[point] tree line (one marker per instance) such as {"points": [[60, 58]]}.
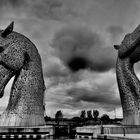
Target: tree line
{"points": [[84, 115]]}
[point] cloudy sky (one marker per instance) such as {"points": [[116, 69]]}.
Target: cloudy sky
{"points": [[75, 39]]}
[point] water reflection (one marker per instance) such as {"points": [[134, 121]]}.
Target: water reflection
{"points": [[63, 138], [55, 139], [60, 138]]}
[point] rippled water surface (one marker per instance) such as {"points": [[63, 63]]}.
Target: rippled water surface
{"points": [[62, 138]]}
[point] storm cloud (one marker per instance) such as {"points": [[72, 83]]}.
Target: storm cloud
{"points": [[97, 96], [80, 48], [115, 31], [42, 9], [99, 90]]}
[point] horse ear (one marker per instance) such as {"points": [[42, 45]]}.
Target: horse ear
{"points": [[8, 30]]}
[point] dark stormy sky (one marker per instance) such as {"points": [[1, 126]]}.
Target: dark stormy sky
{"points": [[75, 39]]}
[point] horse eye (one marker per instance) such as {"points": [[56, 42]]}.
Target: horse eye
{"points": [[1, 49]]}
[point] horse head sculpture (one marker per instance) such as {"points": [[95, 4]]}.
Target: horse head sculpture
{"points": [[128, 83], [130, 46], [20, 58]]}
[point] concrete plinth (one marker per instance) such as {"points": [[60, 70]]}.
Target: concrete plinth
{"points": [[26, 132], [95, 131]]}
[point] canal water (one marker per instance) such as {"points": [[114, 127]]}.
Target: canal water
{"points": [[66, 139], [61, 139]]}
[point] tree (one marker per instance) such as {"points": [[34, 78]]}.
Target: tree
{"points": [[105, 118], [89, 115], [47, 118], [76, 119], [95, 114], [59, 115], [83, 114]]}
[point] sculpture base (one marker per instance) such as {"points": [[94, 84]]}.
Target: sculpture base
{"points": [[26, 132], [131, 118], [107, 130]]}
